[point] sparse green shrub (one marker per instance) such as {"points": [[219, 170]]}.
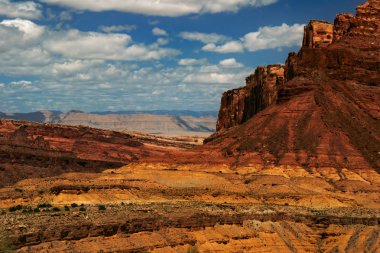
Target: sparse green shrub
{"points": [[67, 208], [56, 209], [41, 192], [36, 210], [19, 190], [3, 212], [73, 205], [44, 205], [82, 209], [102, 207], [15, 208]]}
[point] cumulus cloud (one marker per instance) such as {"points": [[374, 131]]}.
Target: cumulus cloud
{"points": [[230, 63], [28, 29], [73, 66], [229, 47], [105, 86], [203, 37], [217, 78], [267, 37], [162, 41], [117, 28], [28, 9], [169, 8], [112, 46], [216, 74], [191, 61], [159, 32], [30, 49], [21, 83], [88, 45]]}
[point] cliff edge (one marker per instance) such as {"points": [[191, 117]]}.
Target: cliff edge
{"points": [[321, 109]]}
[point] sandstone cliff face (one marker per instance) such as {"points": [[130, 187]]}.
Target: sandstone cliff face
{"points": [[318, 34], [232, 109], [327, 112], [241, 104]]}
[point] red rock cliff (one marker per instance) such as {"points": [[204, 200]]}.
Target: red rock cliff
{"points": [[241, 104], [327, 112]]}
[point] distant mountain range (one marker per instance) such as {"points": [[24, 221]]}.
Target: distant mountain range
{"points": [[159, 122]]}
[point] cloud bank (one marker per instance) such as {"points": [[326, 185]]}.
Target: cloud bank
{"points": [[168, 8], [267, 37]]}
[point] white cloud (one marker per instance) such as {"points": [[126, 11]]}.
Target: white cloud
{"points": [[28, 9], [215, 74], [217, 78], [21, 83], [170, 8], [230, 63], [88, 45], [105, 86], [91, 46], [191, 61], [117, 28], [229, 47], [29, 29], [159, 32], [268, 37], [73, 66], [203, 37], [162, 41], [30, 49]]}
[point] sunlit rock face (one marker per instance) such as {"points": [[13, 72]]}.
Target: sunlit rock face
{"points": [[318, 34]]}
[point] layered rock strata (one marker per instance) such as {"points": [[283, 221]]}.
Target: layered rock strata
{"points": [[239, 105], [318, 34], [327, 111], [30, 150]]}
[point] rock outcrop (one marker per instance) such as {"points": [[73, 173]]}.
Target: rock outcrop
{"points": [[327, 111], [318, 34], [241, 104]]}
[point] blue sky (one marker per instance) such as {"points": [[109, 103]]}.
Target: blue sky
{"points": [[143, 55]]}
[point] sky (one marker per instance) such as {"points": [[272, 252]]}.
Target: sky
{"points": [[102, 55]]}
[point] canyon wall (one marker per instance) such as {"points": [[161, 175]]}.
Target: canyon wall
{"points": [[325, 46], [241, 104], [325, 107]]}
